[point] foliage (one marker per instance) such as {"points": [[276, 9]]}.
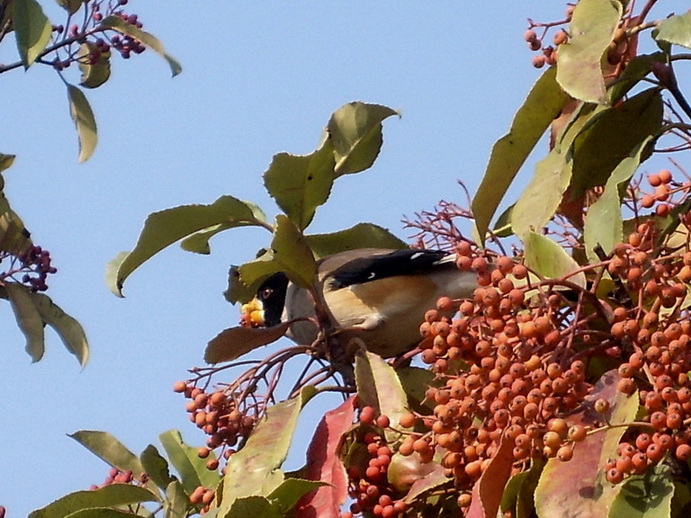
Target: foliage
{"points": [[561, 388], [105, 27]]}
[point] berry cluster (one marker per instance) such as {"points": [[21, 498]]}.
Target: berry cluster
{"points": [[521, 358], [116, 476], [665, 194], [203, 496], [617, 52], [369, 486], [220, 417]]}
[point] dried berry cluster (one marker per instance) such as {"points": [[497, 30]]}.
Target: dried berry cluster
{"points": [[99, 48], [34, 266]]}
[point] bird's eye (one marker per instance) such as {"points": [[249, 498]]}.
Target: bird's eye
{"points": [[266, 293]]}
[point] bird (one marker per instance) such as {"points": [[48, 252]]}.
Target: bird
{"points": [[377, 295]]}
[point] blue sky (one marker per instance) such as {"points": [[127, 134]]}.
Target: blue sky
{"points": [[259, 78]]}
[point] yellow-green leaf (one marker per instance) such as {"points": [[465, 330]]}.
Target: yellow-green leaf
{"points": [[71, 6], [254, 470], [603, 222], [84, 121], [378, 386], [6, 162], [199, 241], [549, 259], [362, 235], [93, 74], [118, 24], [579, 69], [70, 331], [356, 133], [32, 30], [161, 229], [542, 105], [301, 183], [675, 30], [14, 237], [543, 194], [611, 136], [28, 318], [96, 503], [191, 468], [289, 253]]}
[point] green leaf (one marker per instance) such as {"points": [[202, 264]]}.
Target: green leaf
{"points": [[675, 30], [71, 6], [362, 235], [32, 30], [254, 469], [301, 183], [518, 493], [646, 496], [579, 69], [177, 502], [543, 104], [93, 74], [68, 329], [28, 318], [81, 502], [199, 242], [109, 449], [84, 121], [415, 382], [635, 70], [161, 229], [289, 253], [184, 458], [156, 466], [378, 386], [355, 130], [611, 136], [118, 24], [603, 222], [254, 506], [550, 260]]}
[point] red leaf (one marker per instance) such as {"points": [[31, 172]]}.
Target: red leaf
{"points": [[488, 490], [323, 464], [232, 343]]}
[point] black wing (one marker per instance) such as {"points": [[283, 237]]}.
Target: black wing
{"points": [[399, 262]]}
